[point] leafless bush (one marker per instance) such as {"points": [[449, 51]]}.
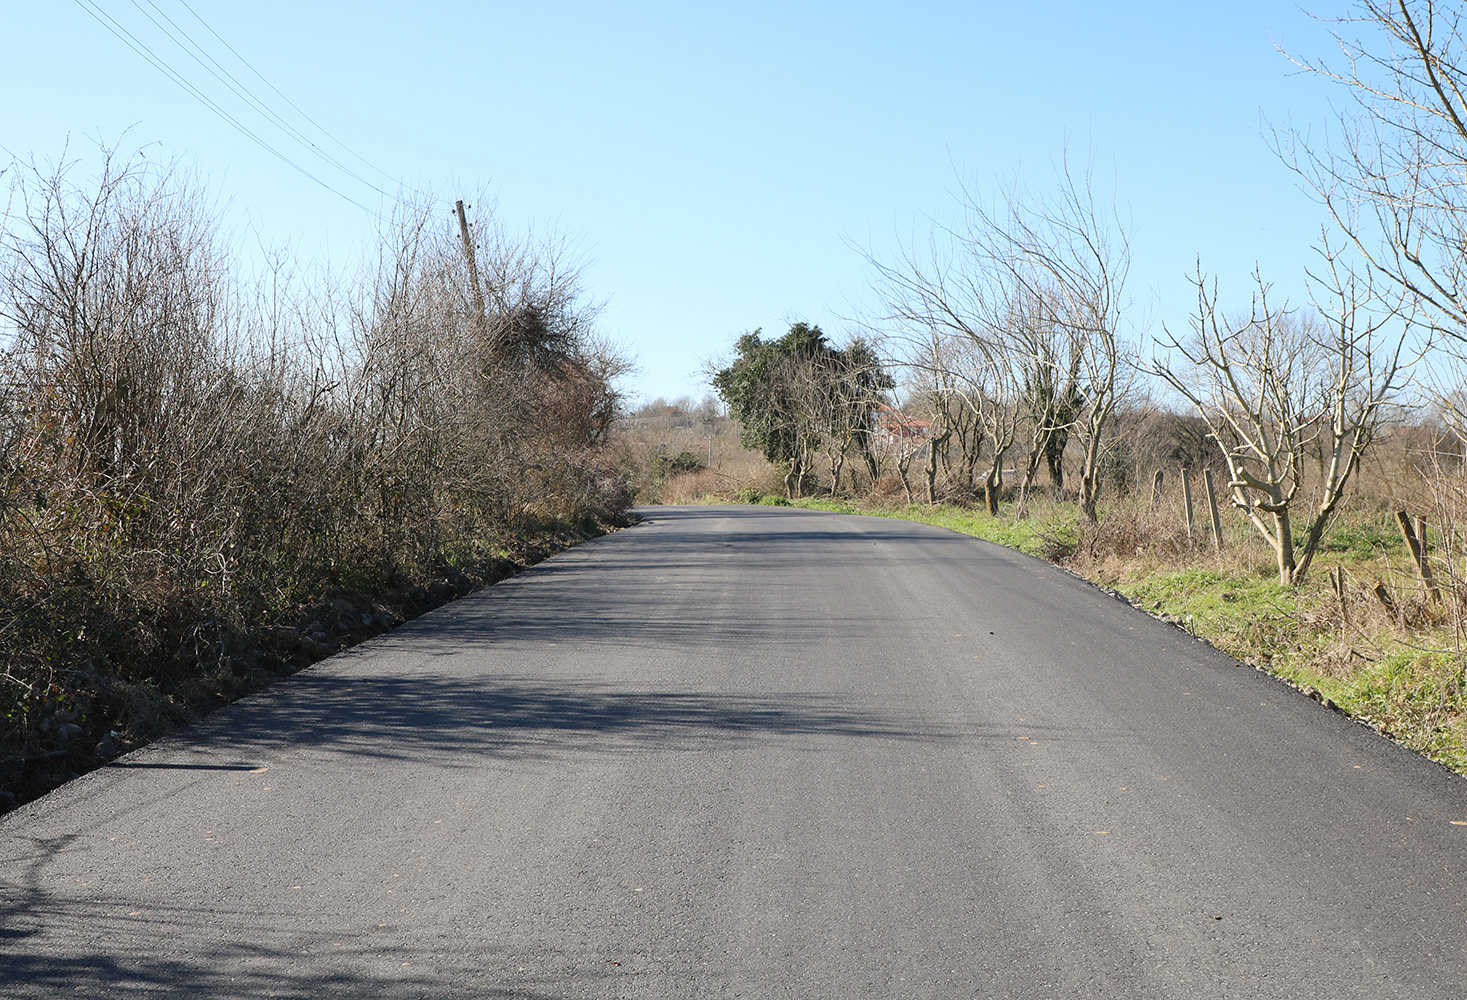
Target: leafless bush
{"points": [[1158, 439], [1126, 535], [186, 458]]}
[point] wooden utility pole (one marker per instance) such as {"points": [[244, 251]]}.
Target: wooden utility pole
{"points": [[463, 229]]}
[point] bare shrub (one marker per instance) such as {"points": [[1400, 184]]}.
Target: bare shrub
{"points": [[187, 459], [1125, 537], [1159, 439], [696, 487]]}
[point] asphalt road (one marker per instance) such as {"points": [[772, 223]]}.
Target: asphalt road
{"points": [[754, 752]]}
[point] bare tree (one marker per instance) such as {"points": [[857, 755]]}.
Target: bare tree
{"points": [[906, 439], [1072, 258], [1393, 175], [1047, 361], [933, 396], [1036, 287], [1273, 382], [942, 309], [839, 389], [973, 397]]}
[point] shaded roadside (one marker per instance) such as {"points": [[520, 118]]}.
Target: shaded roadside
{"points": [[98, 716]]}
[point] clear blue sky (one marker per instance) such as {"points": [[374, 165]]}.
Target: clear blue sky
{"points": [[714, 161]]}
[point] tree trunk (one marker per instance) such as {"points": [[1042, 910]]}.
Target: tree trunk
{"points": [[937, 442], [1283, 544], [1054, 459], [1090, 476], [1089, 494], [904, 464], [870, 457], [1031, 469], [837, 467]]}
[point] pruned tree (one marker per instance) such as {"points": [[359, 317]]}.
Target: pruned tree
{"points": [[1047, 360], [1271, 383], [965, 388], [1037, 287], [1054, 400], [1072, 258], [907, 440], [1393, 173]]}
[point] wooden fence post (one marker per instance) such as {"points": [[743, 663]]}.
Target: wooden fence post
{"points": [[1217, 540], [1417, 547], [1187, 498], [1384, 596], [1337, 584]]}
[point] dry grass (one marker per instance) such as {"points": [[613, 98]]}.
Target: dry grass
{"points": [[682, 452]]}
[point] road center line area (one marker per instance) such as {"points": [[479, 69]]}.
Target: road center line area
{"points": [[754, 752]]}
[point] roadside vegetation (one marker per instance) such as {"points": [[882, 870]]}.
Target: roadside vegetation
{"points": [[217, 466], [672, 451], [1282, 476], [215, 469]]}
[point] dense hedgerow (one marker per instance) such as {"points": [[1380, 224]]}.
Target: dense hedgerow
{"points": [[199, 453]]}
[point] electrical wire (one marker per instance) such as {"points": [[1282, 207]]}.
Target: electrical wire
{"points": [[243, 92], [319, 127], [134, 43]]}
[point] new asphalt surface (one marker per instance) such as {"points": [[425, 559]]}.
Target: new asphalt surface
{"points": [[754, 752]]}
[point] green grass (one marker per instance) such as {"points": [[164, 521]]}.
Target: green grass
{"points": [[1028, 535], [1247, 616], [1360, 540], [1414, 696]]}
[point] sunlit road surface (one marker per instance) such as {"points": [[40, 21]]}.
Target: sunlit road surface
{"points": [[754, 752]]}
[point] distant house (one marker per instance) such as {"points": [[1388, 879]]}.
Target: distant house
{"points": [[894, 428]]}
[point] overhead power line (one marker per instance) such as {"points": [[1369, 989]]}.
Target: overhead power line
{"points": [[319, 127], [241, 92], [214, 68]]}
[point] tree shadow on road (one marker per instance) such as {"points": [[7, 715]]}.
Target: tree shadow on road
{"points": [[84, 943], [63, 938], [462, 720]]}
